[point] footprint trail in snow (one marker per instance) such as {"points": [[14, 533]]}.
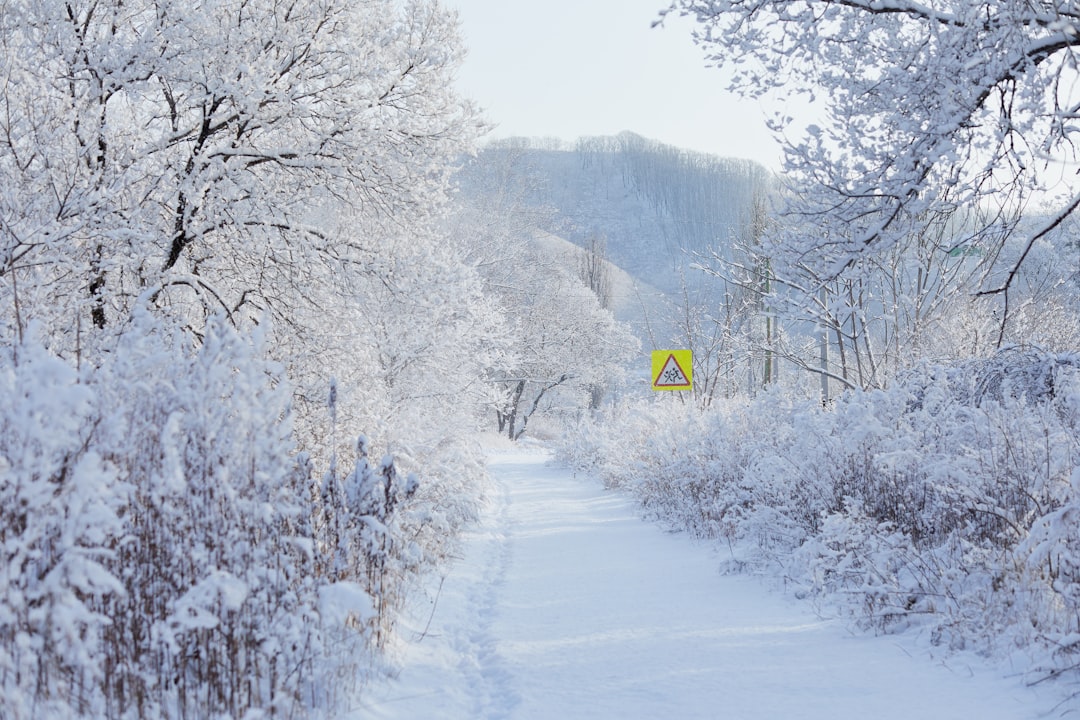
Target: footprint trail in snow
{"points": [[566, 605]]}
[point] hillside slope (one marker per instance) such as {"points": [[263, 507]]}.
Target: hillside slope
{"points": [[656, 206], [635, 302]]}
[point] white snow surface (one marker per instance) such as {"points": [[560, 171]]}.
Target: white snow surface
{"points": [[565, 604]]}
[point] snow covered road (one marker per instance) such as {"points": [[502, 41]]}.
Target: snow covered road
{"points": [[566, 605]]}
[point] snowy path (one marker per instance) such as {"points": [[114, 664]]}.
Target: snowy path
{"points": [[566, 605]]}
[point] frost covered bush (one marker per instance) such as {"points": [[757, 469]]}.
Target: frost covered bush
{"points": [[735, 471], [219, 612], [358, 534], [59, 519], [950, 500], [167, 552]]}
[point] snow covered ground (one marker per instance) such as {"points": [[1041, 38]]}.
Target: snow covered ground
{"points": [[565, 604]]}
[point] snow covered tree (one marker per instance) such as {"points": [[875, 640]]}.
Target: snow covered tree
{"points": [[179, 178], [594, 269], [563, 339], [927, 108], [188, 154], [260, 159], [559, 337]]}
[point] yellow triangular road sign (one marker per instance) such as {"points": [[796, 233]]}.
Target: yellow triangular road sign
{"points": [[672, 370]]}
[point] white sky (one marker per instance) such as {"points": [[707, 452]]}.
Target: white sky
{"points": [[572, 68]]}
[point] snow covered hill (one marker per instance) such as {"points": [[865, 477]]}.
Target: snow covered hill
{"points": [[656, 206], [645, 308]]}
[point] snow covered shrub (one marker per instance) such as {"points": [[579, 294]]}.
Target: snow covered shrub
{"points": [[938, 494], [866, 560], [1052, 555], [1026, 372], [59, 504], [787, 452], [1051, 552], [950, 499], [167, 552], [359, 539], [665, 453], [737, 470], [219, 613]]}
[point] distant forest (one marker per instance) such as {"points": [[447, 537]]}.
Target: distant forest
{"points": [[656, 206]]}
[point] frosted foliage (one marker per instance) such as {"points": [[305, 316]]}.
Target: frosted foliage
{"points": [[207, 214], [193, 157], [58, 516], [927, 108], [180, 568], [558, 344], [949, 501], [218, 574]]}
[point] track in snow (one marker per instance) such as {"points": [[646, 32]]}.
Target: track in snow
{"points": [[566, 605]]}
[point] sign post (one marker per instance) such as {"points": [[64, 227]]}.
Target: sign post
{"points": [[672, 370]]}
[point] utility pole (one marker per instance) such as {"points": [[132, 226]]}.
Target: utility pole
{"points": [[824, 295], [769, 374]]}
